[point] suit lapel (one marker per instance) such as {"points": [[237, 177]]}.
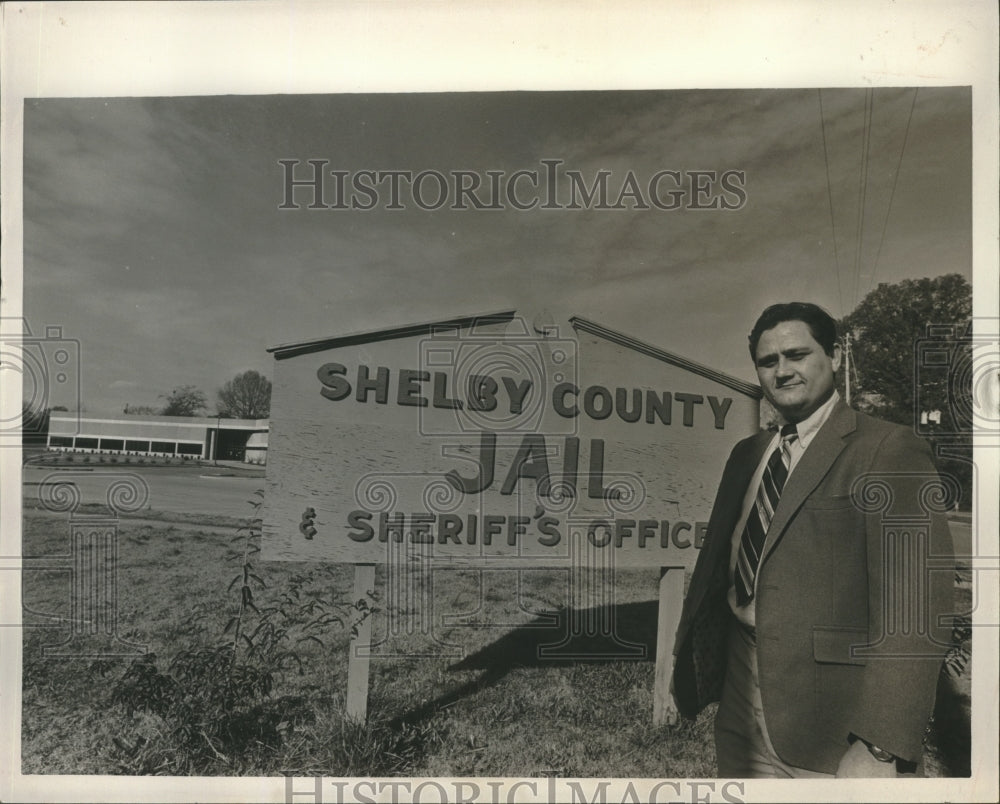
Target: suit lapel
{"points": [[810, 470], [734, 494], [732, 491]]}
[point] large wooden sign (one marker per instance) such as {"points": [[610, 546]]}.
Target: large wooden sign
{"points": [[496, 440]]}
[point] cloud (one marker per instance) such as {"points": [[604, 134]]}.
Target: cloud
{"points": [[152, 231]]}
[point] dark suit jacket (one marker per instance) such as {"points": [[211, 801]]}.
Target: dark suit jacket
{"points": [[853, 592]]}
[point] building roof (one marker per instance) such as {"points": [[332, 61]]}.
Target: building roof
{"points": [[201, 422], [464, 322], [406, 331]]}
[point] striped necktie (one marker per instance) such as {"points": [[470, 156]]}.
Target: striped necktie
{"points": [[761, 514]]}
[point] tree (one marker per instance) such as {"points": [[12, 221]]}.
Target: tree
{"points": [[892, 375], [185, 400], [246, 396], [886, 329]]}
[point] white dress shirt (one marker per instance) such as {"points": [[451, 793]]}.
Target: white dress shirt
{"points": [[806, 431]]}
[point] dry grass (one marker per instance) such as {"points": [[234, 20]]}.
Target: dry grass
{"points": [[481, 702]]}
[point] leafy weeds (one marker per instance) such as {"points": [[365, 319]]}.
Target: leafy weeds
{"points": [[217, 703]]}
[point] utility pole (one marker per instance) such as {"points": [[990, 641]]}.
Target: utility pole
{"points": [[847, 368]]}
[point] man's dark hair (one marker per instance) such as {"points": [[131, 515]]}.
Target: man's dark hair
{"points": [[820, 323]]}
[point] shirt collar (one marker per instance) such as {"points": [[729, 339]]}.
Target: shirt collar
{"points": [[807, 428]]}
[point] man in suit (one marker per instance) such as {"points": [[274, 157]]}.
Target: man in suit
{"points": [[817, 611]]}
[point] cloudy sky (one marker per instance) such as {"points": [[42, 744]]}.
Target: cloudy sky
{"points": [[152, 232]]}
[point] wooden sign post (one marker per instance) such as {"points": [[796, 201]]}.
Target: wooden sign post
{"points": [[494, 441], [668, 616], [359, 658]]}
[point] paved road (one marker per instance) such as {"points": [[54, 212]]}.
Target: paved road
{"points": [[185, 490], [209, 491]]}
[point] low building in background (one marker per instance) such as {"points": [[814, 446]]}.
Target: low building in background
{"points": [[207, 438]]}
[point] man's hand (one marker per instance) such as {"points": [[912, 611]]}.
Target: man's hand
{"points": [[858, 763]]}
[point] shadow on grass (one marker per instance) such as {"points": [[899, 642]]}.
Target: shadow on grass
{"points": [[623, 633]]}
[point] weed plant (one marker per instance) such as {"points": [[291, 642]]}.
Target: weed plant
{"points": [[218, 703]]}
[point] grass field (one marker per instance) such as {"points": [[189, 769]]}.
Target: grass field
{"points": [[482, 704]]}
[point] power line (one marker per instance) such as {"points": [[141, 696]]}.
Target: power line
{"points": [[892, 193], [829, 195], [863, 191]]}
